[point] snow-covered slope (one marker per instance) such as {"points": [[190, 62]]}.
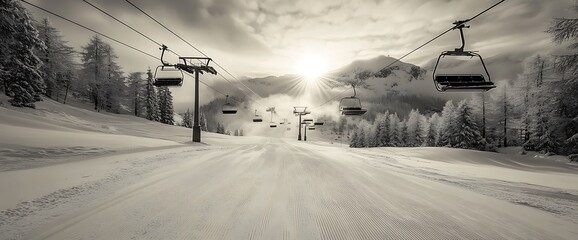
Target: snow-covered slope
{"points": [[54, 132]]}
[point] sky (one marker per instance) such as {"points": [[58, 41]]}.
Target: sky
{"points": [[272, 37], [259, 38]]}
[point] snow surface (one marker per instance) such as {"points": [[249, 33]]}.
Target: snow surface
{"points": [[70, 173]]}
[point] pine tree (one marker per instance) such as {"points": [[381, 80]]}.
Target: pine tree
{"points": [[361, 137], [467, 135], [102, 75], [415, 129], [166, 106], [394, 131], [188, 119], [383, 130], [151, 100], [564, 30], [236, 133], [57, 58], [203, 122], [136, 93], [432, 135], [402, 133], [447, 126], [354, 140], [241, 133], [19, 66]]}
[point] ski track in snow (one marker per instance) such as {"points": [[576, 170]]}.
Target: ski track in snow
{"points": [[287, 190], [561, 202]]}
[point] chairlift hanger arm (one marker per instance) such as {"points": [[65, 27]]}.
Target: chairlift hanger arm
{"points": [[201, 59]]}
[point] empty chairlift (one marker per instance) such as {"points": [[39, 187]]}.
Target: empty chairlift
{"points": [[462, 82], [257, 117], [271, 123], [229, 108], [351, 106], [168, 76]]}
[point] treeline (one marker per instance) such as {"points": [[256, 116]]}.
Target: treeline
{"points": [[36, 62], [208, 119], [454, 127], [539, 111]]}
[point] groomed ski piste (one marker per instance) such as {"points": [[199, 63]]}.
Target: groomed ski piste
{"points": [[71, 173]]}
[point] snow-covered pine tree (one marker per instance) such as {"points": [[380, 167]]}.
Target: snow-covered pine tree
{"points": [[447, 126], [370, 134], [101, 74], [19, 66], [151, 100], [432, 134], [187, 119], [383, 130], [394, 130], [166, 106], [203, 122], [415, 129], [236, 133], [136, 93], [467, 135], [114, 87], [57, 58], [402, 133], [354, 140], [543, 106], [361, 137], [566, 30]]}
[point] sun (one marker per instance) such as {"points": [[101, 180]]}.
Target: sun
{"points": [[312, 67]]}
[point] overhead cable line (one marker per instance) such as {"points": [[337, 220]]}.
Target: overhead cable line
{"points": [[90, 29], [115, 40], [198, 50], [458, 24], [150, 39]]}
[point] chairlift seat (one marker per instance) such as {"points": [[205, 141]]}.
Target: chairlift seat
{"points": [[457, 82], [353, 111], [168, 76], [258, 119], [318, 123], [168, 82], [273, 125], [351, 106], [311, 128], [229, 109]]}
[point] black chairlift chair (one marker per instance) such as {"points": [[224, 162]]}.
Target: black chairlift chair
{"points": [[351, 106], [272, 125], [318, 123], [257, 117], [462, 82], [228, 108], [168, 76]]}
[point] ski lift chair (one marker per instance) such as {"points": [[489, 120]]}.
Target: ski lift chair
{"points": [[462, 82], [228, 108], [351, 106], [257, 117], [168, 76], [272, 125]]}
